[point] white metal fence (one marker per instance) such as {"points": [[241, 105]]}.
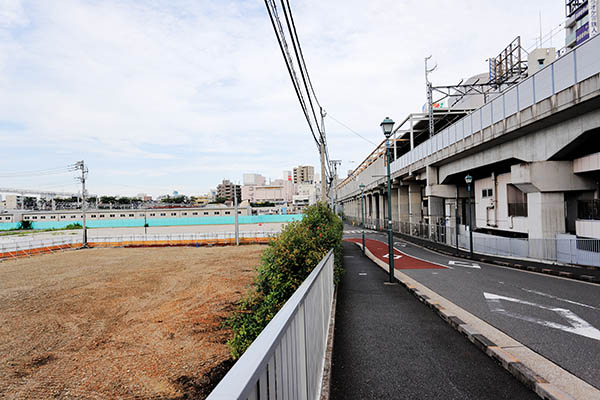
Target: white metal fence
{"points": [[12, 247], [16, 246], [182, 237], [566, 249], [286, 360]]}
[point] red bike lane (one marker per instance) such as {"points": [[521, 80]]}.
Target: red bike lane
{"points": [[401, 260]]}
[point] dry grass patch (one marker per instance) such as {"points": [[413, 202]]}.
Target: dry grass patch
{"points": [[118, 323]]}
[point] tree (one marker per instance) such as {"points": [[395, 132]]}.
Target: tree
{"points": [[29, 203]]}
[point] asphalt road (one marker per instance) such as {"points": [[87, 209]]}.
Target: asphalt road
{"points": [[388, 345], [556, 317]]}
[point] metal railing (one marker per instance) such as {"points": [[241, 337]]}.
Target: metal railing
{"points": [[15, 247], [566, 249], [286, 360]]}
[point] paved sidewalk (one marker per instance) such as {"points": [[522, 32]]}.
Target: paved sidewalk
{"points": [[388, 345]]}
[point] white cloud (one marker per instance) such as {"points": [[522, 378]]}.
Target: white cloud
{"points": [[165, 89]]}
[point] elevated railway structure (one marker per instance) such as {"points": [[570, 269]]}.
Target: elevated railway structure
{"points": [[533, 151]]}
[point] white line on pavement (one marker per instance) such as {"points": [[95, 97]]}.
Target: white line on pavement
{"points": [[560, 298], [577, 325], [465, 264]]}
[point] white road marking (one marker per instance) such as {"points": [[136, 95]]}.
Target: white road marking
{"points": [[576, 325], [434, 273], [362, 273], [396, 257], [357, 231], [561, 299], [464, 264]]}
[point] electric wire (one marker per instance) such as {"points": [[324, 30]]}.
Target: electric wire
{"points": [[307, 83], [303, 73], [272, 9], [39, 172], [351, 130], [302, 54]]}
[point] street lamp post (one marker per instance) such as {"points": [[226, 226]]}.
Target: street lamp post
{"points": [[469, 179], [387, 126], [362, 213]]}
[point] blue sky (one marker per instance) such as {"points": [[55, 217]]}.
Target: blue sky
{"points": [[163, 95]]}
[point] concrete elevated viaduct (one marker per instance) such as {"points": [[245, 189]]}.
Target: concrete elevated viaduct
{"points": [[533, 151]]}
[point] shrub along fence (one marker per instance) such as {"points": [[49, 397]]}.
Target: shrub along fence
{"points": [[291, 300]]}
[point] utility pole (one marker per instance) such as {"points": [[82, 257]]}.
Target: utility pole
{"points": [[322, 151], [334, 165], [429, 95], [235, 202], [80, 165]]}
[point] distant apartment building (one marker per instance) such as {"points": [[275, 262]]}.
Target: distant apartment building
{"points": [[227, 190], [304, 174], [279, 191], [254, 179], [144, 197], [202, 200], [14, 202], [306, 194]]}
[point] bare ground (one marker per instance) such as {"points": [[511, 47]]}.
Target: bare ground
{"points": [[119, 323]]}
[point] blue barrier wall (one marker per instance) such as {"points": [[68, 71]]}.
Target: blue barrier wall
{"points": [[139, 222]]}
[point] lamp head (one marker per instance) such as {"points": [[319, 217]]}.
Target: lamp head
{"points": [[468, 179], [387, 125]]}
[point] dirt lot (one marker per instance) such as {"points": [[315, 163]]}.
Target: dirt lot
{"points": [[118, 323]]}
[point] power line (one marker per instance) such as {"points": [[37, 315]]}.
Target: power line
{"points": [[39, 172], [280, 35], [352, 130], [304, 89], [303, 71], [302, 54]]}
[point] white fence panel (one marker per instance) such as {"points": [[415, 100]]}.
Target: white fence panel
{"points": [[588, 58], [468, 125], [476, 121], [564, 72], [511, 102], [543, 84], [486, 115], [498, 109], [526, 93]]}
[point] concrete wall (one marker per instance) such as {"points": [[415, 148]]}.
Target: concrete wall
{"points": [[498, 217]]}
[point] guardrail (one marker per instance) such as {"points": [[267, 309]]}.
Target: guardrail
{"points": [[286, 360]]}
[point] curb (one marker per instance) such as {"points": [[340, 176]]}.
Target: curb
{"points": [[326, 381], [535, 381], [516, 264]]}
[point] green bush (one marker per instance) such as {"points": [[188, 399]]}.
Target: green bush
{"points": [[285, 264], [76, 225], [25, 225]]}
